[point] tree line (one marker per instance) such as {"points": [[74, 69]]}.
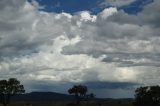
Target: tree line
{"points": [[144, 96]]}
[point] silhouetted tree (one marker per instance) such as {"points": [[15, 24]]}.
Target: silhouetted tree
{"points": [[147, 96], [91, 96], [9, 88], [79, 91]]}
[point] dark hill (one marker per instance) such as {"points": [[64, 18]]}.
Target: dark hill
{"points": [[42, 96], [52, 96]]}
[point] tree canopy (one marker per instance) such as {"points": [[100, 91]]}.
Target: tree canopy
{"points": [[9, 88], [147, 96], [79, 91]]}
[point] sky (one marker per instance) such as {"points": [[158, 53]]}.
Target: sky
{"points": [[111, 46]]}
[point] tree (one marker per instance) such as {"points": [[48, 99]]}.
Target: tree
{"points": [[147, 96], [79, 91], [90, 96], [9, 88]]}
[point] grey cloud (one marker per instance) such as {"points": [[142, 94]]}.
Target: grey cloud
{"points": [[123, 35], [133, 59], [11, 3], [117, 3], [122, 58], [22, 28], [148, 16]]}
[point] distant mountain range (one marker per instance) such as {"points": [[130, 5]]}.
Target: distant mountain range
{"points": [[53, 96]]}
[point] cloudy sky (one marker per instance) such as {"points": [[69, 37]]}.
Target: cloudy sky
{"points": [[112, 46]]}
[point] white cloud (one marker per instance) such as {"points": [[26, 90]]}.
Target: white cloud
{"points": [[108, 12], [86, 16]]}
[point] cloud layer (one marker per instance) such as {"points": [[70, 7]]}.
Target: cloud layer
{"points": [[62, 49], [117, 3]]}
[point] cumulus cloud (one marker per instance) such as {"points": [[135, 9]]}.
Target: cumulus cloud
{"points": [[63, 49], [108, 12], [86, 16]]}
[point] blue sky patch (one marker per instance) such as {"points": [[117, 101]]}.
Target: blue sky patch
{"points": [[136, 6], [73, 6]]}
